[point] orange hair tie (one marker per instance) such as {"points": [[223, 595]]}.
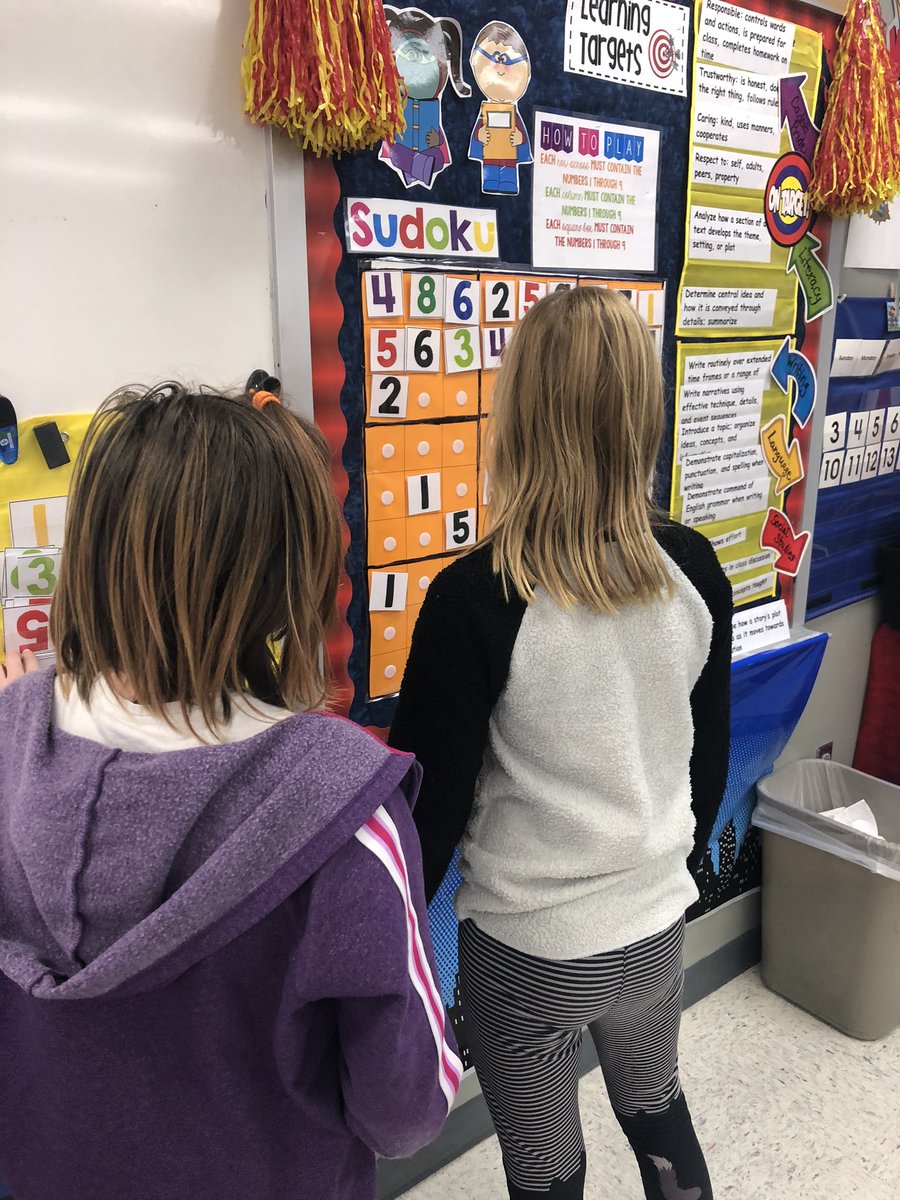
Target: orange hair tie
{"points": [[261, 399]]}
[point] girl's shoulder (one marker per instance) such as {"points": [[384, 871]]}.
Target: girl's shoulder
{"points": [[694, 555]]}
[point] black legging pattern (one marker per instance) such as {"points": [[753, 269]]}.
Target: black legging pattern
{"points": [[526, 1017]]}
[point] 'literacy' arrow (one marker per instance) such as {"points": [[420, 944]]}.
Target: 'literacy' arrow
{"points": [[815, 282], [791, 364], [778, 535], [804, 133], [785, 463]]}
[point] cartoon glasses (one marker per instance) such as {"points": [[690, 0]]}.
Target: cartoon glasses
{"points": [[501, 59]]}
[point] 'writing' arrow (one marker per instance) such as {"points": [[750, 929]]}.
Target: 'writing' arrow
{"points": [[815, 282], [790, 364], [778, 535], [804, 133]]}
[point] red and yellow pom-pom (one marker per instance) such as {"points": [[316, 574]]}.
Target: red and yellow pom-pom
{"points": [[324, 71], [857, 160]]}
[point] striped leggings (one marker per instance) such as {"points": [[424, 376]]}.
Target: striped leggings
{"points": [[525, 1018]]}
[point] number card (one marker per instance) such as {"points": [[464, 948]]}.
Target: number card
{"points": [[876, 427], [38, 522], [499, 301], [423, 350], [26, 626], [892, 423], [835, 431], [387, 349], [387, 591], [460, 529], [463, 301], [530, 291], [832, 469], [888, 462], [462, 349], [560, 285], [423, 493], [426, 297], [871, 461], [853, 465], [389, 396], [384, 295], [857, 428], [30, 573], [493, 342]]}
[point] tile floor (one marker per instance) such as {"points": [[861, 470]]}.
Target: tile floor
{"points": [[787, 1109]]}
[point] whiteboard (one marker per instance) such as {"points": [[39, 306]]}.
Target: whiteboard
{"points": [[134, 234]]}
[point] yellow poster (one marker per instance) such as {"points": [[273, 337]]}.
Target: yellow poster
{"points": [[732, 463], [748, 243]]}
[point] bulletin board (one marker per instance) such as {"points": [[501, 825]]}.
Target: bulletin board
{"points": [[597, 183], [858, 501]]}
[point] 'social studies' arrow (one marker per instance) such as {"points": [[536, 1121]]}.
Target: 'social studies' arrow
{"points": [[815, 282], [778, 535], [803, 131], [785, 462], [790, 364]]}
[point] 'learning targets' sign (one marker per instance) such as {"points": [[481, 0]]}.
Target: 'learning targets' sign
{"points": [[385, 227]]}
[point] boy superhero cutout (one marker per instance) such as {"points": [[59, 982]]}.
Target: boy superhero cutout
{"points": [[502, 70]]}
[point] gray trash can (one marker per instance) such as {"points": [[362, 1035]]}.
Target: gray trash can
{"points": [[831, 897]]}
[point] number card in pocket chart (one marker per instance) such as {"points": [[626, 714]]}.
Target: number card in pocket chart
{"points": [[433, 343]]}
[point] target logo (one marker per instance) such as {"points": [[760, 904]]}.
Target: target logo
{"points": [[662, 54]]}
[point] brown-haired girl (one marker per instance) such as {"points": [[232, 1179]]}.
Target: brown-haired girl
{"points": [[216, 978], [567, 695]]}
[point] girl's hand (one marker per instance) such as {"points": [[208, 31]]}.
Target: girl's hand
{"points": [[16, 666]]}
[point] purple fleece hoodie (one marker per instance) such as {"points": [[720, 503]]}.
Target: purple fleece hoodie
{"points": [[216, 976]]}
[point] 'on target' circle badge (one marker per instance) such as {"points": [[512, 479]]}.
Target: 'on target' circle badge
{"points": [[662, 53], [788, 214]]}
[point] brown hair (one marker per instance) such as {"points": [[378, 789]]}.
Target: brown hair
{"points": [[501, 34], [202, 554], [578, 418]]}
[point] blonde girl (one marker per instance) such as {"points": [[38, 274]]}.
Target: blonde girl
{"points": [[567, 695]]}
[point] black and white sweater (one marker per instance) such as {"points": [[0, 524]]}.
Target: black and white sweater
{"points": [[579, 758]]}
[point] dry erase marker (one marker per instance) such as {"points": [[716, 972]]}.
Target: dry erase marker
{"points": [[9, 432]]}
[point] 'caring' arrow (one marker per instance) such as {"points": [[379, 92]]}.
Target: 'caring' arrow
{"points": [[778, 535], [785, 463], [804, 133], [790, 364], [815, 282]]}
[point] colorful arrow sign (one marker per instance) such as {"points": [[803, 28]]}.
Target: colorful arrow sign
{"points": [[778, 535], [815, 282], [785, 462], [794, 112], [790, 364]]}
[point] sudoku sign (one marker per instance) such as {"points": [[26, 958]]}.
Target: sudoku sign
{"points": [[376, 226]]}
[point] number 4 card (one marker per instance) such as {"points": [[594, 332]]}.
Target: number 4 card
{"points": [[384, 295]]}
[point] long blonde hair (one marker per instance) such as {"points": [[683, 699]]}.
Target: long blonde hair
{"points": [[578, 419], [202, 554]]}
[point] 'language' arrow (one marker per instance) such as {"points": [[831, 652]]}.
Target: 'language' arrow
{"points": [[815, 282], [778, 535], [785, 463], [790, 364], [794, 112]]}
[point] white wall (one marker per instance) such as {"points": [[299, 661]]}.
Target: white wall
{"points": [[133, 224]]}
